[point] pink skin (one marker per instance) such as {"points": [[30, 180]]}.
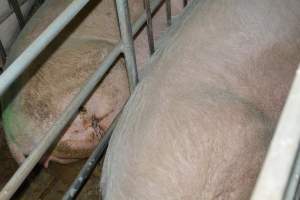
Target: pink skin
{"points": [[85, 132], [199, 123], [79, 133]]}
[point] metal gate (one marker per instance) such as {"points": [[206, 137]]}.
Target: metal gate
{"points": [[279, 177], [125, 47]]}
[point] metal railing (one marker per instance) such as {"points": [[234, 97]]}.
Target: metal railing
{"points": [[279, 177], [14, 4], [15, 8], [2, 55], [125, 47]]}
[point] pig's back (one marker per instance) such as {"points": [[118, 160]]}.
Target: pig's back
{"points": [[198, 125]]}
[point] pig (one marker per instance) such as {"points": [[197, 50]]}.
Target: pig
{"points": [[199, 123], [39, 97]]}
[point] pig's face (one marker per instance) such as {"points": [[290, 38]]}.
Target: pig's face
{"points": [[93, 119]]}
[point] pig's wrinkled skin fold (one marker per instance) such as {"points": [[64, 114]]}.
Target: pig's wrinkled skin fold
{"points": [[198, 125]]}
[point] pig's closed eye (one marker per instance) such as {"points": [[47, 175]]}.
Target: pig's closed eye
{"points": [[83, 110]]}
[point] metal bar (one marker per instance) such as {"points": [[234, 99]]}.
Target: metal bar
{"points": [[185, 2], [53, 134], [169, 12], [90, 164], [277, 168], [292, 190], [31, 52], [88, 168], [5, 15], [2, 53], [127, 39], [16, 8], [149, 27]]}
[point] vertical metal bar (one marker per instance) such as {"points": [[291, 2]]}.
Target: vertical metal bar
{"points": [[52, 135], [127, 40], [168, 12], [97, 154], [149, 27], [16, 7], [90, 164], [185, 2], [2, 53], [278, 165], [292, 190], [56, 130]]}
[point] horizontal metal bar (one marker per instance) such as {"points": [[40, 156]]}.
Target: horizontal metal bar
{"points": [[185, 2], [2, 53], [6, 14], [292, 189], [90, 164], [278, 165], [31, 52], [54, 133]]}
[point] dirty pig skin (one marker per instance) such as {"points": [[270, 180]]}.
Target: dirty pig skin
{"points": [[38, 98], [198, 125]]}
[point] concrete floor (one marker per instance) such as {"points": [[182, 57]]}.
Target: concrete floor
{"points": [[46, 184]]}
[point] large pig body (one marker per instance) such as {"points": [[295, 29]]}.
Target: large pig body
{"points": [[37, 99], [199, 123]]}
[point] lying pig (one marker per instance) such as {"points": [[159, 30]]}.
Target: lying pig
{"points": [[56, 76], [199, 123]]}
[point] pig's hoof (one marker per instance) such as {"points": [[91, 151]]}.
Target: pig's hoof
{"points": [[16, 153], [59, 160]]}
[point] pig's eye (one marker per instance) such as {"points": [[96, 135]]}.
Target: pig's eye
{"points": [[82, 110]]}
